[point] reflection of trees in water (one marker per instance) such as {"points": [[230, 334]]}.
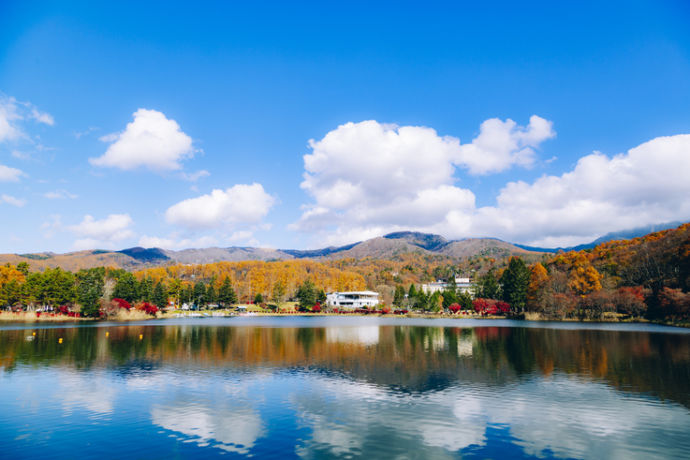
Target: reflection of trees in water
{"points": [[410, 359]]}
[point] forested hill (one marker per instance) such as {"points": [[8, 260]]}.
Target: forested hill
{"points": [[384, 247], [644, 276]]}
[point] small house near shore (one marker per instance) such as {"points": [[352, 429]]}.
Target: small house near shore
{"points": [[462, 285], [352, 299]]}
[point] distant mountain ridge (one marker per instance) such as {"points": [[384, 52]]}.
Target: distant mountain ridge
{"points": [[383, 247], [145, 255], [620, 235]]}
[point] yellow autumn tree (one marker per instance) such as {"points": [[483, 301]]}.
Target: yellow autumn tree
{"points": [[584, 278], [9, 273]]}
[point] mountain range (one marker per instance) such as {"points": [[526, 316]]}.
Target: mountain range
{"points": [[383, 247]]}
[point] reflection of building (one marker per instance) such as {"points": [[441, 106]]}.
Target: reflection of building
{"points": [[363, 335], [352, 299], [462, 285]]}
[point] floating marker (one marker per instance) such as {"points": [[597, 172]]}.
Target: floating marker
{"points": [[141, 336], [60, 340], [33, 333], [107, 333]]}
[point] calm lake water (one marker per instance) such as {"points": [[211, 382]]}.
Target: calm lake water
{"points": [[344, 387]]}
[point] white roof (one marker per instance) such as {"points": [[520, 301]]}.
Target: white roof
{"points": [[358, 292]]}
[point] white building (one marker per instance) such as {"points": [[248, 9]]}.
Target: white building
{"points": [[352, 299], [461, 284]]}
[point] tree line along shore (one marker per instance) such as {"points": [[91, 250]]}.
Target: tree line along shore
{"points": [[646, 278]]}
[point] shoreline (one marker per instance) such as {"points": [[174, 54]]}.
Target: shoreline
{"points": [[30, 317]]}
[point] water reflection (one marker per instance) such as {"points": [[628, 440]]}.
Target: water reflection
{"points": [[368, 390], [88, 392], [362, 335], [234, 429]]}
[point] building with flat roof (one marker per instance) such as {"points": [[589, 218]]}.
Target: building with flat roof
{"points": [[462, 285], [352, 299]]}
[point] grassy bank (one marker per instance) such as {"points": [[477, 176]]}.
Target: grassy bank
{"points": [[31, 317]]}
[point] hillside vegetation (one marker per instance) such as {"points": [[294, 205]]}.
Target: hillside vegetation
{"points": [[645, 277]]}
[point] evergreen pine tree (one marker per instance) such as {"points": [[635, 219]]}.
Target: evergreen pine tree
{"points": [[489, 288], [159, 297], [226, 294], [199, 294], [211, 296], [399, 296], [126, 288], [306, 294], [514, 281], [90, 287]]}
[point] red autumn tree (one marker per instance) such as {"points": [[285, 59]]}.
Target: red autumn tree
{"points": [[147, 308], [122, 303]]}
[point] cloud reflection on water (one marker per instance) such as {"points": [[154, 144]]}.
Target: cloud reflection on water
{"points": [[569, 418], [92, 392], [234, 428]]}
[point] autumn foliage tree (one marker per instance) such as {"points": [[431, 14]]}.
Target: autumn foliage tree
{"points": [[584, 278], [538, 284]]}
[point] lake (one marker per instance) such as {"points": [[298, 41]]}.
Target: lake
{"points": [[327, 387]]}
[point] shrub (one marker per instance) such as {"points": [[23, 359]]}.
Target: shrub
{"points": [[503, 307], [630, 301], [147, 308], [674, 303], [480, 305], [122, 303], [595, 304]]}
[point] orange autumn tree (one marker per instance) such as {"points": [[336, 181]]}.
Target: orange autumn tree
{"points": [[584, 278], [9, 273], [538, 281]]}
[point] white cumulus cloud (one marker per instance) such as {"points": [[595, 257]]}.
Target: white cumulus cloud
{"points": [[501, 144], [368, 179], [151, 141], [241, 204], [102, 233], [647, 185]]}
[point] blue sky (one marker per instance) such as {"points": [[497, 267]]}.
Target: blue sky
{"points": [[297, 125]]}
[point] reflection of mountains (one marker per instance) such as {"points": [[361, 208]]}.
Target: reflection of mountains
{"points": [[409, 359]]}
